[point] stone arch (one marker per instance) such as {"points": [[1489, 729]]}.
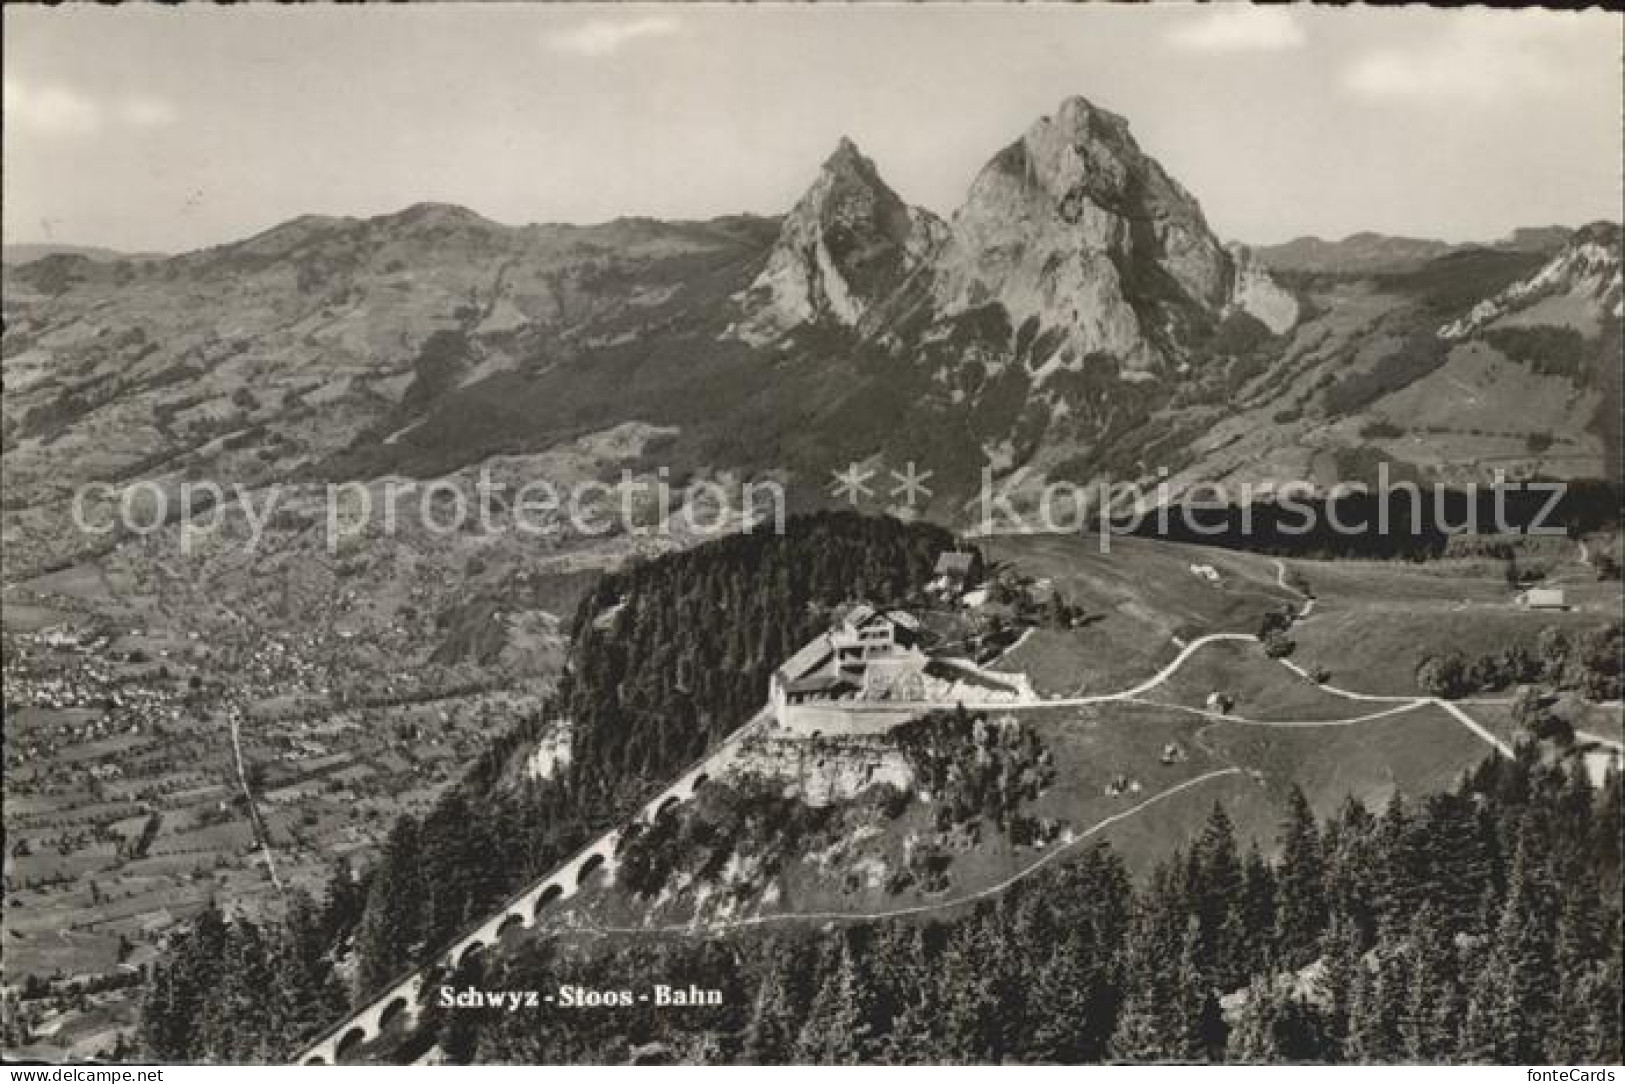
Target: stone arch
{"points": [[350, 1040], [588, 868], [549, 894], [392, 1011], [669, 803], [315, 1059], [510, 926], [699, 781], [473, 949]]}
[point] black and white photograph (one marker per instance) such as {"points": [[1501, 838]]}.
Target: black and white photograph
{"points": [[873, 534]]}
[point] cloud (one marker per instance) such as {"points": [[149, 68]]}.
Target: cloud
{"points": [[1242, 29], [58, 110], [601, 37], [50, 110], [1484, 57]]}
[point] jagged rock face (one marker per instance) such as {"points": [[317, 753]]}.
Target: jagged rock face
{"points": [[1084, 241], [846, 246], [1580, 284], [1078, 227], [1258, 294]]}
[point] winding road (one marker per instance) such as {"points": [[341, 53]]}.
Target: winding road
{"points": [[368, 1020]]}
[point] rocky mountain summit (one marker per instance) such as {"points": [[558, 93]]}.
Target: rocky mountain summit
{"points": [[1074, 226], [1076, 233], [1076, 318], [847, 245]]}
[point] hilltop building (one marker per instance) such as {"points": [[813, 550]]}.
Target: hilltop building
{"points": [[840, 664], [874, 669]]}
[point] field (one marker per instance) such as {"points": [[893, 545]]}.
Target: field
{"points": [[1374, 622], [1138, 599]]}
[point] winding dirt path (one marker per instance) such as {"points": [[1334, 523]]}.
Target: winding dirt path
{"points": [[936, 905]]}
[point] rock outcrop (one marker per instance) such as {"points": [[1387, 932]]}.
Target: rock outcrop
{"points": [[1075, 226], [1256, 293], [1578, 287], [1081, 238], [848, 244]]}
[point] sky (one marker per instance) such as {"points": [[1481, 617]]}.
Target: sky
{"points": [[165, 129]]}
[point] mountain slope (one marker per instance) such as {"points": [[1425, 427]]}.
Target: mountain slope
{"points": [[1076, 320]]}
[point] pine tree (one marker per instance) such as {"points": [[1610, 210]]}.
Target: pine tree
{"points": [[1374, 1009], [1215, 890], [840, 1028], [1343, 965], [1147, 1028], [912, 1039], [775, 1023], [1431, 1010], [1075, 1004], [1352, 871], [1522, 1004], [969, 1023], [1274, 1026], [1254, 921], [1199, 1029], [392, 924], [1301, 906], [1596, 1025]]}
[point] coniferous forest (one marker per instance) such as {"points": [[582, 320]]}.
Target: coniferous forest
{"points": [[1478, 925]]}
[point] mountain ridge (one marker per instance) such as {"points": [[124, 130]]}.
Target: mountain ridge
{"points": [[1076, 318]]}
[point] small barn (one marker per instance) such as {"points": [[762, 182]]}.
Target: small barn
{"points": [[957, 571], [1543, 598]]}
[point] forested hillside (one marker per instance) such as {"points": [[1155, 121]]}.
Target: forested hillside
{"points": [[1480, 925], [668, 656], [672, 654]]}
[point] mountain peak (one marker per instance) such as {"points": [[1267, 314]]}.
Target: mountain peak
{"points": [[848, 243], [846, 153], [437, 216], [1075, 226], [849, 166], [1080, 118]]}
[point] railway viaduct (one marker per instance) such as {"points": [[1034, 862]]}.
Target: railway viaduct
{"points": [[402, 1000]]}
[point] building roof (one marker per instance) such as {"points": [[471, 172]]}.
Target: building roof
{"points": [[858, 614], [864, 614], [820, 683], [1543, 596], [954, 562], [816, 652], [902, 619]]}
